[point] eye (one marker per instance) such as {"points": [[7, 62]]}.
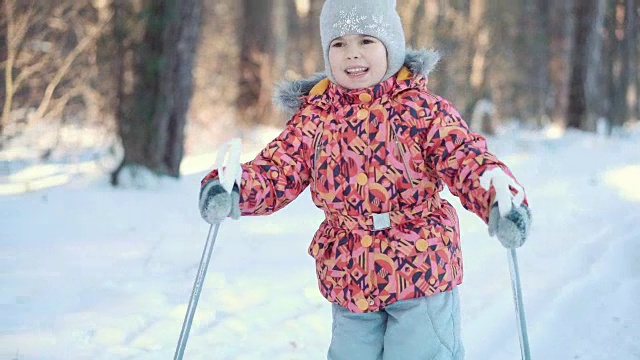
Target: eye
{"points": [[337, 44], [367, 41]]}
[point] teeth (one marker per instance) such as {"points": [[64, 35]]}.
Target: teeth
{"points": [[356, 70]]}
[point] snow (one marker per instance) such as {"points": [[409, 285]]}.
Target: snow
{"points": [[92, 272]]}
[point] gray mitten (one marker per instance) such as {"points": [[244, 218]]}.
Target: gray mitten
{"points": [[216, 204], [512, 229]]}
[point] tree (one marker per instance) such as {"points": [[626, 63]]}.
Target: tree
{"points": [[480, 45], [304, 52], [253, 103], [535, 18], [560, 32], [152, 107], [48, 61], [584, 102], [621, 43]]}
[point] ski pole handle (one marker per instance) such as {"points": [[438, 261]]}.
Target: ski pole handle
{"points": [[228, 163]]}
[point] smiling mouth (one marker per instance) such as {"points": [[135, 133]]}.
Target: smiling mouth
{"points": [[355, 71]]}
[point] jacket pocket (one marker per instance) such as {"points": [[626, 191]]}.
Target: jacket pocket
{"points": [[317, 151], [402, 154]]}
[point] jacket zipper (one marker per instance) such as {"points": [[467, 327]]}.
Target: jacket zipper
{"points": [[402, 154], [316, 155]]}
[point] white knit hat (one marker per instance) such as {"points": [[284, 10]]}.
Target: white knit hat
{"points": [[377, 18]]}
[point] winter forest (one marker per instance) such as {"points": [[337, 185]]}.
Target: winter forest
{"points": [[144, 71], [111, 112]]}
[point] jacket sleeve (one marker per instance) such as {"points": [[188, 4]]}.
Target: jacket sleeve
{"points": [[460, 157], [276, 176]]}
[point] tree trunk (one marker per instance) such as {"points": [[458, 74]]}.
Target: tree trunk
{"points": [[297, 16], [416, 24], [444, 79], [11, 49], [253, 104], [584, 102], [480, 32], [281, 15], [560, 34], [609, 54], [314, 58], [622, 72], [152, 111], [634, 28], [538, 63]]}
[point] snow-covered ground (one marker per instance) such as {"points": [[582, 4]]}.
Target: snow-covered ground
{"points": [[92, 272]]}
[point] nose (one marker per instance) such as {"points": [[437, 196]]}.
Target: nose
{"points": [[353, 52]]}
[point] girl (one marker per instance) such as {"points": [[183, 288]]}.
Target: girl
{"points": [[377, 147]]}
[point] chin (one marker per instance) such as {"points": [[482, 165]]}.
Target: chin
{"points": [[352, 85]]}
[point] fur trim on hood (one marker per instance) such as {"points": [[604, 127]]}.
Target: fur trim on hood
{"points": [[288, 94]]}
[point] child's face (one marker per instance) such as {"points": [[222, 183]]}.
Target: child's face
{"points": [[357, 61]]}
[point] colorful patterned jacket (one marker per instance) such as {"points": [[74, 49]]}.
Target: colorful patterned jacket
{"points": [[376, 160]]}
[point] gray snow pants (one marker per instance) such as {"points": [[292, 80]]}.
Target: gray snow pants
{"points": [[426, 328]]}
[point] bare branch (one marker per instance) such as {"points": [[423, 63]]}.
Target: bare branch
{"points": [[8, 70], [26, 71], [58, 104], [17, 28], [64, 68]]}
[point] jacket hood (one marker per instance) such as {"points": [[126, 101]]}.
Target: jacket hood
{"points": [[288, 95]]}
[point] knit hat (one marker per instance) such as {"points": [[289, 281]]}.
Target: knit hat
{"points": [[377, 18]]}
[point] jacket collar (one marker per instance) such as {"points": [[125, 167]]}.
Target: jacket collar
{"points": [[290, 95], [338, 95]]}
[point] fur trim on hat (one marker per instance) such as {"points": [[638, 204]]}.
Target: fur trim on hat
{"points": [[288, 94]]}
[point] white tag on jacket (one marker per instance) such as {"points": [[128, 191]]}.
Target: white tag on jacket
{"points": [[381, 221], [501, 183]]}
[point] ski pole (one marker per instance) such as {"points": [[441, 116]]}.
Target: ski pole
{"points": [[517, 298], [195, 294]]}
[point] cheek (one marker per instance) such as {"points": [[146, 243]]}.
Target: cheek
{"points": [[383, 57], [333, 58], [381, 62]]}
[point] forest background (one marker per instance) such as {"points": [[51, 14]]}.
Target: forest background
{"points": [[163, 78]]}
